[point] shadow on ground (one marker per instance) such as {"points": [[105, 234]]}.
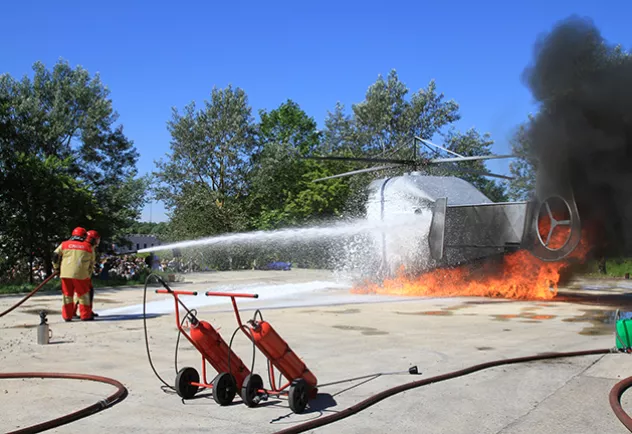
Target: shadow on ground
{"points": [[127, 317]]}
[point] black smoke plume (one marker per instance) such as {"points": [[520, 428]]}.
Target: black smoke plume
{"points": [[584, 127]]}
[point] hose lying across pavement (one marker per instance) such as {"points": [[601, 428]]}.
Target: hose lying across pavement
{"points": [[372, 400], [615, 402], [115, 398], [29, 295], [121, 393]]}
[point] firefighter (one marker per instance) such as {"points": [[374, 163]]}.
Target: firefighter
{"points": [[94, 239], [74, 260]]}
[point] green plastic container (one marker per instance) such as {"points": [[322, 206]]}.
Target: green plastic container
{"points": [[624, 334]]}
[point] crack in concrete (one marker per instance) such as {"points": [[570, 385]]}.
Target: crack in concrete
{"points": [[522, 417]]}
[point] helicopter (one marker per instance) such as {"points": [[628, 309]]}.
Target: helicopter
{"points": [[463, 224]]}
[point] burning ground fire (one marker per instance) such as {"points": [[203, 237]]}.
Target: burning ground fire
{"points": [[520, 276]]}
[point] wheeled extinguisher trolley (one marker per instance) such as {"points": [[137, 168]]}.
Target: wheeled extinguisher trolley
{"points": [[301, 383], [231, 371]]}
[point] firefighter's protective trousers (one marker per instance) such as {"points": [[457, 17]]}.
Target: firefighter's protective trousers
{"points": [[75, 261], [81, 289]]}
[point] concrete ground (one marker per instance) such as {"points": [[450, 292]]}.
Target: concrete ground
{"points": [[339, 335]]}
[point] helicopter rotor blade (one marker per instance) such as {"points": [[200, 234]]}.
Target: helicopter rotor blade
{"points": [[478, 172], [475, 158], [356, 172], [428, 142], [366, 160]]}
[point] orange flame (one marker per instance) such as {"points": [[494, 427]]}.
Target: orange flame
{"points": [[519, 276]]}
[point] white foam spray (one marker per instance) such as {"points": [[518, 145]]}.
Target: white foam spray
{"points": [[290, 236], [393, 233]]}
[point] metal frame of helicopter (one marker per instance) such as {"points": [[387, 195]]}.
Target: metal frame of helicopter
{"points": [[477, 229]]}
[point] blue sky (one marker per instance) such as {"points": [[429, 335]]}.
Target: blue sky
{"points": [[154, 56]]}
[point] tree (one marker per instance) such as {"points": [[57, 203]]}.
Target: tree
{"points": [[148, 228], [339, 132], [523, 169], [385, 121], [282, 188], [204, 178], [37, 204], [468, 144], [59, 137], [286, 134]]}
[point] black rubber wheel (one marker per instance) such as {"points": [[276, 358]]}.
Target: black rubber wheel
{"points": [[250, 388], [224, 389], [185, 377], [298, 396]]}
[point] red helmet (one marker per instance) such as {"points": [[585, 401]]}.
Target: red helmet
{"points": [[93, 237], [79, 232]]}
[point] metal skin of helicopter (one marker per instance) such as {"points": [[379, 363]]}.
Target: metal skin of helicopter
{"points": [[464, 225]]}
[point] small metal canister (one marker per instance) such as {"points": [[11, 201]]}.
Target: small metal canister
{"points": [[44, 333]]}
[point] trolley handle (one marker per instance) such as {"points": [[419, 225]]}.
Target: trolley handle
{"points": [[230, 294], [164, 291]]}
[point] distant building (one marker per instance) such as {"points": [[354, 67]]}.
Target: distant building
{"points": [[138, 242]]}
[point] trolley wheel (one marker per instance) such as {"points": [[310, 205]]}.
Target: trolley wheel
{"points": [[185, 377], [299, 395], [224, 388], [250, 389]]}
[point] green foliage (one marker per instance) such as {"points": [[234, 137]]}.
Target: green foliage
{"points": [[54, 286], [17, 288], [282, 191], [618, 267], [199, 213], [386, 121], [615, 268], [226, 174], [39, 197], [468, 144], [148, 228], [204, 178], [291, 126], [339, 133], [63, 162], [523, 169], [385, 124]]}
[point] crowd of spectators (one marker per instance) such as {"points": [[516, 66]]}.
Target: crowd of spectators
{"points": [[110, 267], [130, 267]]}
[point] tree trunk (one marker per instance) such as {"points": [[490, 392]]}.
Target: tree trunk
{"points": [[602, 266], [31, 268], [48, 262]]}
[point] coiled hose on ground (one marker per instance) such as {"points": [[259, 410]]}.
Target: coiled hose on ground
{"points": [[115, 398], [121, 393], [616, 392], [615, 402], [372, 400]]}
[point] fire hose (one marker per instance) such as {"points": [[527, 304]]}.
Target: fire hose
{"points": [[615, 402], [115, 398], [121, 393], [615, 394], [29, 295]]}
